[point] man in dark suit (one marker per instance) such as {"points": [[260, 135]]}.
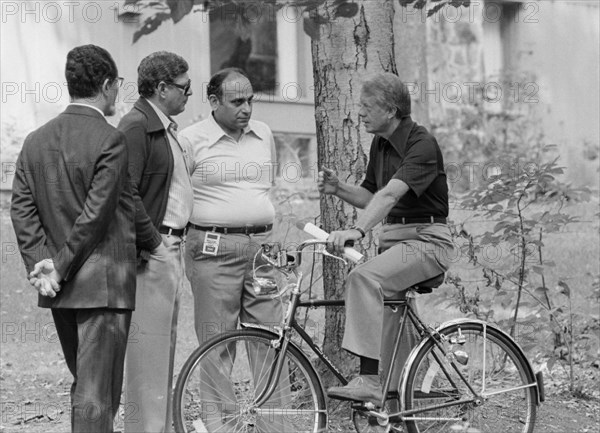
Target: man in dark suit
{"points": [[73, 214], [159, 167]]}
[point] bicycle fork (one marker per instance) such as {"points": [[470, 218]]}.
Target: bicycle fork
{"points": [[280, 346]]}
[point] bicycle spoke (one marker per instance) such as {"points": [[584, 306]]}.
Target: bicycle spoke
{"points": [[220, 388], [438, 399]]}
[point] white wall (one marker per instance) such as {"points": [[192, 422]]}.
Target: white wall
{"points": [[559, 43], [37, 36]]}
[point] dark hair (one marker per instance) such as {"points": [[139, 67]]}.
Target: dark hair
{"points": [[157, 67], [215, 85], [389, 91], [88, 66]]}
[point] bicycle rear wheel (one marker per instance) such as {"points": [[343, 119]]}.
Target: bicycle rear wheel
{"points": [[494, 367], [219, 384]]}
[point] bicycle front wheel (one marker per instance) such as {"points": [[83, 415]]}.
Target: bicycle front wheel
{"points": [[220, 383], [501, 396]]}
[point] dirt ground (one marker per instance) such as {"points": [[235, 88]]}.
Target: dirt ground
{"points": [[34, 380]]}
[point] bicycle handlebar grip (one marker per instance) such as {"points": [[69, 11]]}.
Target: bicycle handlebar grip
{"points": [[350, 253]]}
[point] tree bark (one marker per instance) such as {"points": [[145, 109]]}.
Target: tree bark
{"points": [[346, 53]]}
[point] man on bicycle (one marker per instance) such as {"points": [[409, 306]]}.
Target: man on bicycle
{"points": [[405, 188]]}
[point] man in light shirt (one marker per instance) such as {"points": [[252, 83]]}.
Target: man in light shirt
{"points": [[159, 168], [233, 173]]}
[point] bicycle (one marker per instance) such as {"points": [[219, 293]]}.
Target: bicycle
{"points": [[463, 373]]}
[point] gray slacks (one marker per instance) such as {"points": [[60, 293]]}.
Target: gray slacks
{"points": [[223, 298], [412, 253], [151, 346], [222, 284]]}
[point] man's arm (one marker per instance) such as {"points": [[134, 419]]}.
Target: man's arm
{"points": [[273, 164], [147, 235], [382, 203], [357, 196], [110, 175], [31, 237], [377, 209]]}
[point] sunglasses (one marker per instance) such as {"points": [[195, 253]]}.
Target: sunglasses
{"points": [[185, 87]]}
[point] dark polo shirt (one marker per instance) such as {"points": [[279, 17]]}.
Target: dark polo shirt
{"points": [[413, 156]]}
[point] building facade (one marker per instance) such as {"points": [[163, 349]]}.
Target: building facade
{"points": [[455, 60]]}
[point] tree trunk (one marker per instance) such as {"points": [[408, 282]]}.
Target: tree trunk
{"points": [[347, 51]]}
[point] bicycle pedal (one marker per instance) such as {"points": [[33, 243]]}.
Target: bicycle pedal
{"points": [[363, 406]]}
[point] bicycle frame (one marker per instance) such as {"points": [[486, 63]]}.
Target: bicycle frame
{"points": [[422, 329], [290, 324]]}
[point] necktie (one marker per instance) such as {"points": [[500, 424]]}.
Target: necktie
{"points": [[173, 130]]}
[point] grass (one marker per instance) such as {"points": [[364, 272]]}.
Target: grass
{"points": [[34, 379]]}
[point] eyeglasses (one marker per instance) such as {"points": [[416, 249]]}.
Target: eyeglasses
{"points": [[119, 81], [185, 87]]}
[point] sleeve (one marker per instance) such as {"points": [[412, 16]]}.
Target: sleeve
{"points": [[147, 235], [420, 165], [370, 181], [29, 231], [273, 166], [110, 175]]}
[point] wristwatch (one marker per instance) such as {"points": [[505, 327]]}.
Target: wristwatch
{"points": [[360, 230]]}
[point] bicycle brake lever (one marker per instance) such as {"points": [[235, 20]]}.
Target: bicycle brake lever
{"points": [[327, 253]]}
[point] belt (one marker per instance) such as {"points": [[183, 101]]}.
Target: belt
{"points": [[415, 220], [247, 230], [172, 232]]}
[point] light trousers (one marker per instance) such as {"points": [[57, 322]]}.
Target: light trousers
{"points": [[151, 346], [412, 253], [224, 298]]}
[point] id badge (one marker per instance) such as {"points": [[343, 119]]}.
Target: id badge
{"points": [[211, 243]]}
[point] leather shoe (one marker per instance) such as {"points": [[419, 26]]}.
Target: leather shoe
{"points": [[361, 388]]}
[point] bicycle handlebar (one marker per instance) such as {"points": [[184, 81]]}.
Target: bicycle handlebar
{"points": [[282, 259], [286, 261], [349, 252]]}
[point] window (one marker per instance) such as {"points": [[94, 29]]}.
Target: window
{"points": [[498, 37], [246, 38], [499, 53]]}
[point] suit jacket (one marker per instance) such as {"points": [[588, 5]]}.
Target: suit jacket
{"points": [[72, 202], [150, 170]]}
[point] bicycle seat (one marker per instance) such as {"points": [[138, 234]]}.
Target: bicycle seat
{"points": [[427, 286]]}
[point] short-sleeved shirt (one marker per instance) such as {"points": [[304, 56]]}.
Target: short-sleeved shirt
{"points": [[231, 179], [413, 156]]}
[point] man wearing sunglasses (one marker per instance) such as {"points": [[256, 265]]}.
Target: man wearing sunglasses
{"points": [[159, 169]]}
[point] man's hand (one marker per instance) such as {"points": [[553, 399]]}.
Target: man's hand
{"points": [[45, 278], [337, 240], [328, 182]]}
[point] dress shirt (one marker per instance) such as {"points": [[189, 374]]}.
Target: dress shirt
{"points": [[89, 106], [179, 204], [231, 179], [413, 156]]}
